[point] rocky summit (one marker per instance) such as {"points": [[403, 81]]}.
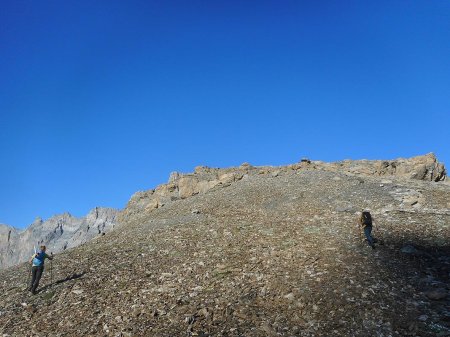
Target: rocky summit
{"points": [[256, 251], [58, 233]]}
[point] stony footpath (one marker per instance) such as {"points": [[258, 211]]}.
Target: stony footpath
{"points": [[262, 251]]}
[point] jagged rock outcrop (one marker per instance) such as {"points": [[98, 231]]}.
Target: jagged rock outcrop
{"points": [[181, 186], [57, 233], [425, 167]]}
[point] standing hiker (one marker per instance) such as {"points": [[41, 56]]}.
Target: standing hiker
{"points": [[37, 268], [365, 224]]}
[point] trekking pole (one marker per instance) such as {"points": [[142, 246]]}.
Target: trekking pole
{"points": [[51, 271], [29, 275]]}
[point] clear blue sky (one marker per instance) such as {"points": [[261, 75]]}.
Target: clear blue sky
{"points": [[100, 99]]}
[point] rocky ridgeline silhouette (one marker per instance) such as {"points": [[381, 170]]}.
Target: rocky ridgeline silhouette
{"points": [[256, 251], [59, 233], [181, 186]]}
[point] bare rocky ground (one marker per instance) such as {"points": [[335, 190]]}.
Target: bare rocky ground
{"points": [[262, 251]]}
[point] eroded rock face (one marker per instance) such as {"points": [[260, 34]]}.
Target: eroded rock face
{"points": [[421, 168], [181, 186], [205, 179], [424, 167], [57, 233]]}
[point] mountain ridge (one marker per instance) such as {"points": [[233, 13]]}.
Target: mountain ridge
{"points": [[59, 232], [255, 251], [424, 167]]}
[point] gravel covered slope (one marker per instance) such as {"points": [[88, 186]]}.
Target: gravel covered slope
{"points": [[276, 253]]}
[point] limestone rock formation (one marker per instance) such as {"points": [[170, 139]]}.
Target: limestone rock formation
{"points": [[181, 186], [424, 167], [57, 233], [204, 178]]}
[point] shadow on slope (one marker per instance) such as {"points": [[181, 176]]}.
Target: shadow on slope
{"points": [[422, 272], [74, 276]]}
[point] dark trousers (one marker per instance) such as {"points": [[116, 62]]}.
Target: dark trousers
{"points": [[36, 273], [368, 233]]}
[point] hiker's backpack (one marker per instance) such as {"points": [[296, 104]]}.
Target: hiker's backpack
{"points": [[366, 219], [39, 259]]}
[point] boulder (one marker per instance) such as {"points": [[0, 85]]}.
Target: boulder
{"points": [[436, 294], [409, 249], [424, 167]]}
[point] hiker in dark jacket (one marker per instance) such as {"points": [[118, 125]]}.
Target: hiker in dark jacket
{"points": [[365, 224], [37, 261]]}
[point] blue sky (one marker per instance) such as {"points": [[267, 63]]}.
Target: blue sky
{"points": [[100, 99]]}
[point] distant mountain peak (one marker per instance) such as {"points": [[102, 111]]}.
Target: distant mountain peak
{"points": [[60, 232]]}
